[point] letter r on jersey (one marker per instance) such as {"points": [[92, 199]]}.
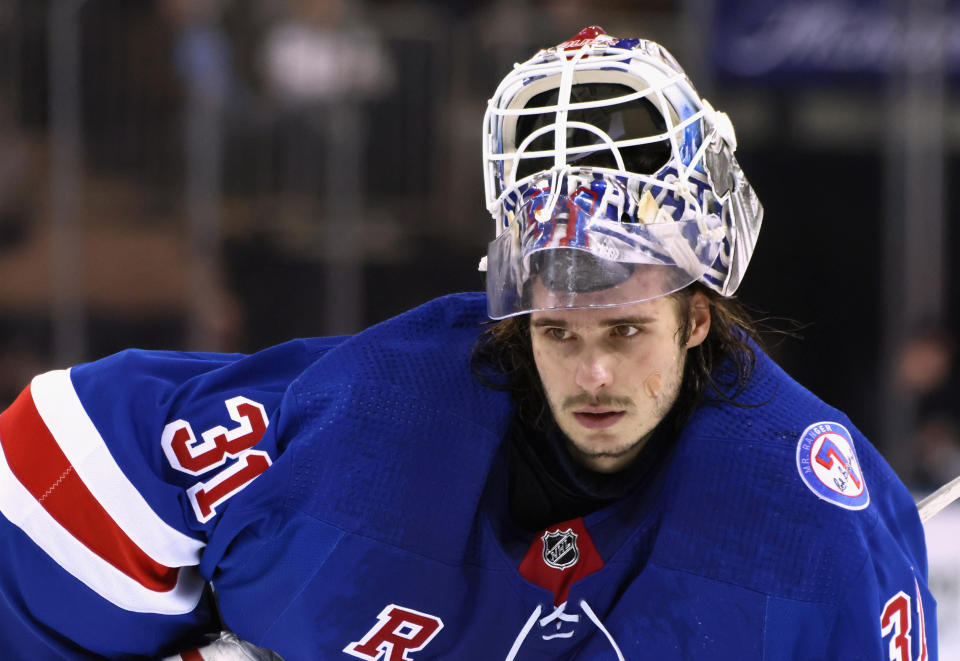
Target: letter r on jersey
{"points": [[398, 632]]}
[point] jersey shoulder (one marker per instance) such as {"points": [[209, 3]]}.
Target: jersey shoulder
{"points": [[780, 492], [394, 434]]}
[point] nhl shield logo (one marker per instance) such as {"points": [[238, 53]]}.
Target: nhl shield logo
{"points": [[560, 548]]}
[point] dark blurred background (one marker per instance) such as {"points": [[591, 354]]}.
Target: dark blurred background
{"points": [[223, 175]]}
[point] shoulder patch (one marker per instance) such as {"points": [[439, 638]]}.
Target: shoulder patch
{"points": [[828, 465]]}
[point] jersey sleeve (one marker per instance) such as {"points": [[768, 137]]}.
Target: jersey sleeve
{"points": [[886, 611], [888, 614], [897, 598], [112, 476]]}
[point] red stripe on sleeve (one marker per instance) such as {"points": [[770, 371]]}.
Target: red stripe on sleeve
{"points": [[191, 655], [39, 464]]}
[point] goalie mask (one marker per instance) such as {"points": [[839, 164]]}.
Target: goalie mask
{"points": [[610, 181]]}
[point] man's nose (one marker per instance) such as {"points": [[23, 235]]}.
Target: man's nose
{"points": [[595, 372]]}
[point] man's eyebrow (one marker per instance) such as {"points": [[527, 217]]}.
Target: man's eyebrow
{"points": [[548, 321], [628, 321], [540, 322]]}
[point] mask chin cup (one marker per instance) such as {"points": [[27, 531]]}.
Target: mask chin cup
{"points": [[610, 263]]}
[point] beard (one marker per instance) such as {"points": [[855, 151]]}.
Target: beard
{"points": [[588, 453]]}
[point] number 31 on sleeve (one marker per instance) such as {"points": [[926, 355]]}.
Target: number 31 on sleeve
{"points": [[216, 445], [896, 622]]}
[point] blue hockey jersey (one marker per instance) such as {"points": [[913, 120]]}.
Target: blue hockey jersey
{"points": [[347, 498]]}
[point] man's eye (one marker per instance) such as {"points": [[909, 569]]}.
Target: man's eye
{"points": [[626, 331], [559, 334]]}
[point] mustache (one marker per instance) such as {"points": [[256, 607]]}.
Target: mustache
{"points": [[602, 399]]}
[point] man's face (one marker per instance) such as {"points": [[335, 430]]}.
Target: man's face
{"points": [[611, 374]]}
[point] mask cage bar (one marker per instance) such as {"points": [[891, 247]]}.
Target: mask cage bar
{"points": [[551, 65]]}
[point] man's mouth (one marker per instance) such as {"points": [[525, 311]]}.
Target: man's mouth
{"points": [[598, 419]]}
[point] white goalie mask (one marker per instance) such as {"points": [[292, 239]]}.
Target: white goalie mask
{"points": [[610, 181]]}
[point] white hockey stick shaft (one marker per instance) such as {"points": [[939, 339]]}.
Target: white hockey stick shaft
{"points": [[939, 499]]}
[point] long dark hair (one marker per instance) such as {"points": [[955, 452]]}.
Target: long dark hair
{"points": [[720, 367]]}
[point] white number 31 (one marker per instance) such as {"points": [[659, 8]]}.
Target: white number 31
{"points": [[896, 621], [197, 457]]}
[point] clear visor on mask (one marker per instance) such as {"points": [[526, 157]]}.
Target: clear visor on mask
{"points": [[565, 257]]}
